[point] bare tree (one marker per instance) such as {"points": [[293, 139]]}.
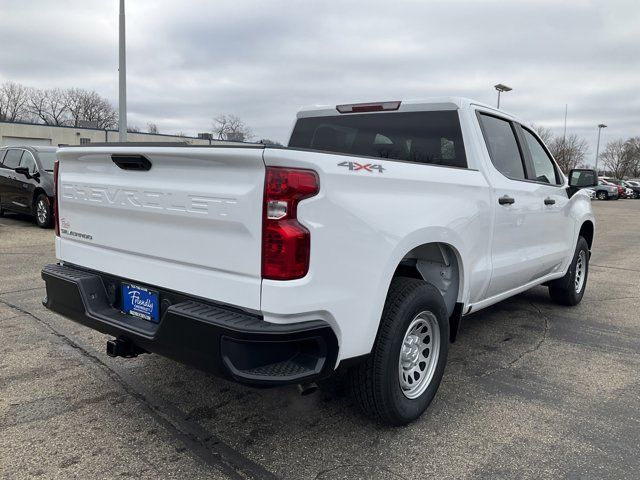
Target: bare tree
{"points": [[49, 106], [133, 129], [152, 128], [633, 150], [13, 101], [231, 127], [569, 152], [88, 105], [545, 134], [617, 158]]}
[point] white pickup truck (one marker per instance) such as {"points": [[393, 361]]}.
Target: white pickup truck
{"points": [[360, 245]]}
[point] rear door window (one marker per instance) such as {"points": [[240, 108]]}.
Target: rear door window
{"points": [[502, 145], [422, 137], [12, 158]]}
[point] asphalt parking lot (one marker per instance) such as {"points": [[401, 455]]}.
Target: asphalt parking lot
{"points": [[532, 390]]}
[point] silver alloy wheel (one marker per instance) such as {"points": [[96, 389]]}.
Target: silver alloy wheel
{"points": [[42, 210], [419, 354], [581, 267]]}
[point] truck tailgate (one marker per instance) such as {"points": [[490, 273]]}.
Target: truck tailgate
{"points": [[191, 223]]}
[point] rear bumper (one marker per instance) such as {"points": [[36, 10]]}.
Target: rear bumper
{"points": [[214, 338]]}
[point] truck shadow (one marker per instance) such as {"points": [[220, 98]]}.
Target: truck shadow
{"points": [[276, 424]]}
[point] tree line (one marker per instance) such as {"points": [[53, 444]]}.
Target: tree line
{"points": [[58, 107], [70, 107], [619, 158]]}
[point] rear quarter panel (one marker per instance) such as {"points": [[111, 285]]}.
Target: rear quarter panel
{"points": [[362, 224]]}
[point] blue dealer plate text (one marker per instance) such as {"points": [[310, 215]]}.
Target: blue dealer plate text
{"points": [[140, 302]]}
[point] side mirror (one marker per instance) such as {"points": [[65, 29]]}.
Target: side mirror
{"points": [[583, 178], [23, 171]]}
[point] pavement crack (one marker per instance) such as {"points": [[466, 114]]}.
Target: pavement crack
{"points": [[23, 290], [527, 352], [198, 440], [614, 268]]}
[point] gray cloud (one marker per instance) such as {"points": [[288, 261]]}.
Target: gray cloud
{"points": [[192, 60]]}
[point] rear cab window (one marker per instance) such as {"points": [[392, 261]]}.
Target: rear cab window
{"points": [[433, 138]]}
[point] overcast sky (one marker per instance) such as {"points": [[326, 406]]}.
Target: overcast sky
{"points": [[190, 60]]}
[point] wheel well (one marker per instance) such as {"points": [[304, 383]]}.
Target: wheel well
{"points": [[586, 231], [36, 193], [436, 263]]}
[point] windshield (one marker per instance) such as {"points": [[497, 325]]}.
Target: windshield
{"points": [[47, 159]]}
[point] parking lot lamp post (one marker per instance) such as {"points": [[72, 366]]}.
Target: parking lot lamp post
{"points": [[122, 74], [501, 88], [600, 127]]}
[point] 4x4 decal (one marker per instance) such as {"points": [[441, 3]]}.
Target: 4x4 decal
{"points": [[367, 167]]}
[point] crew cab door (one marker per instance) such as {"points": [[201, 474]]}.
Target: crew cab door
{"points": [[516, 252]]}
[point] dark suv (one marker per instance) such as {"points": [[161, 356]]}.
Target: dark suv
{"points": [[26, 182]]}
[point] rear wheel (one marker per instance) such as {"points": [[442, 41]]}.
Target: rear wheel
{"points": [[569, 289], [602, 195], [398, 381], [43, 211]]}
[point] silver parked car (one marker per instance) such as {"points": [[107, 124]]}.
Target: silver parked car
{"points": [[606, 191]]}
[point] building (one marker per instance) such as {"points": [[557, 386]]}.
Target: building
{"points": [[34, 134]]}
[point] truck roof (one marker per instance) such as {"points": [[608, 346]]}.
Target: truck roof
{"points": [[427, 104]]}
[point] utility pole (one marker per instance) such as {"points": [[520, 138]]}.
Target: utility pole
{"points": [[600, 127], [122, 73], [564, 135]]}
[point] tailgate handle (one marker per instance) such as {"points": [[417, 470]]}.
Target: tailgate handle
{"points": [[131, 162]]}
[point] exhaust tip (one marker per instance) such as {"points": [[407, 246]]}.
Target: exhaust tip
{"points": [[307, 388]]}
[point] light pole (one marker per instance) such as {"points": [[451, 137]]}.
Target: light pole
{"points": [[600, 127], [122, 73], [501, 88]]}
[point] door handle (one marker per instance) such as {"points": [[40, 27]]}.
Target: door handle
{"points": [[549, 201], [506, 200]]}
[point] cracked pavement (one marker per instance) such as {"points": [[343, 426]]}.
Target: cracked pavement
{"points": [[531, 390]]}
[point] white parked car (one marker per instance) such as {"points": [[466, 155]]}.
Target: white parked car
{"points": [[360, 245], [591, 192]]}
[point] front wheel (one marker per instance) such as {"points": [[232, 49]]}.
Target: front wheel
{"points": [[569, 289], [44, 213], [602, 195], [398, 381]]}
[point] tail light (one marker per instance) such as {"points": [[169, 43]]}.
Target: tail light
{"points": [[286, 243], [56, 216]]}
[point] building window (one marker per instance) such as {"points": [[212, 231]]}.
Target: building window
{"points": [[84, 141]]}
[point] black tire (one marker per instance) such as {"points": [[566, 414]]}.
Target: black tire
{"points": [[375, 383], [564, 291], [602, 195], [44, 220]]}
